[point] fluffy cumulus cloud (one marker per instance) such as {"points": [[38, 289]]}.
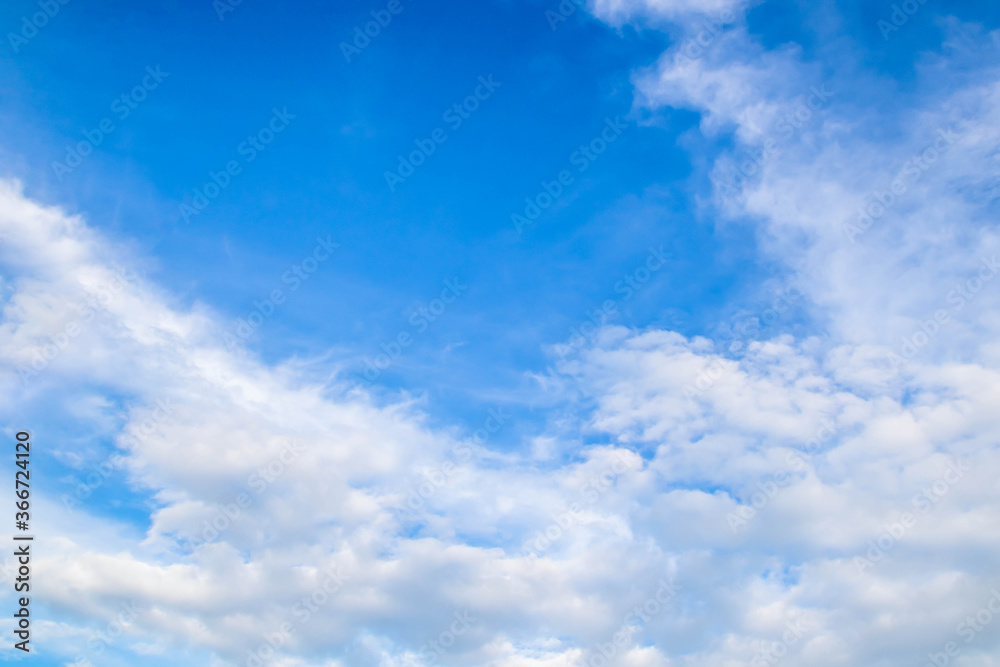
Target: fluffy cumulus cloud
{"points": [[288, 517], [826, 500]]}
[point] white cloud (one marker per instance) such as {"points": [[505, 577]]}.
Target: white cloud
{"points": [[331, 506]]}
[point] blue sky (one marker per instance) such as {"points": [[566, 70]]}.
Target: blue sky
{"points": [[489, 314], [325, 174]]}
